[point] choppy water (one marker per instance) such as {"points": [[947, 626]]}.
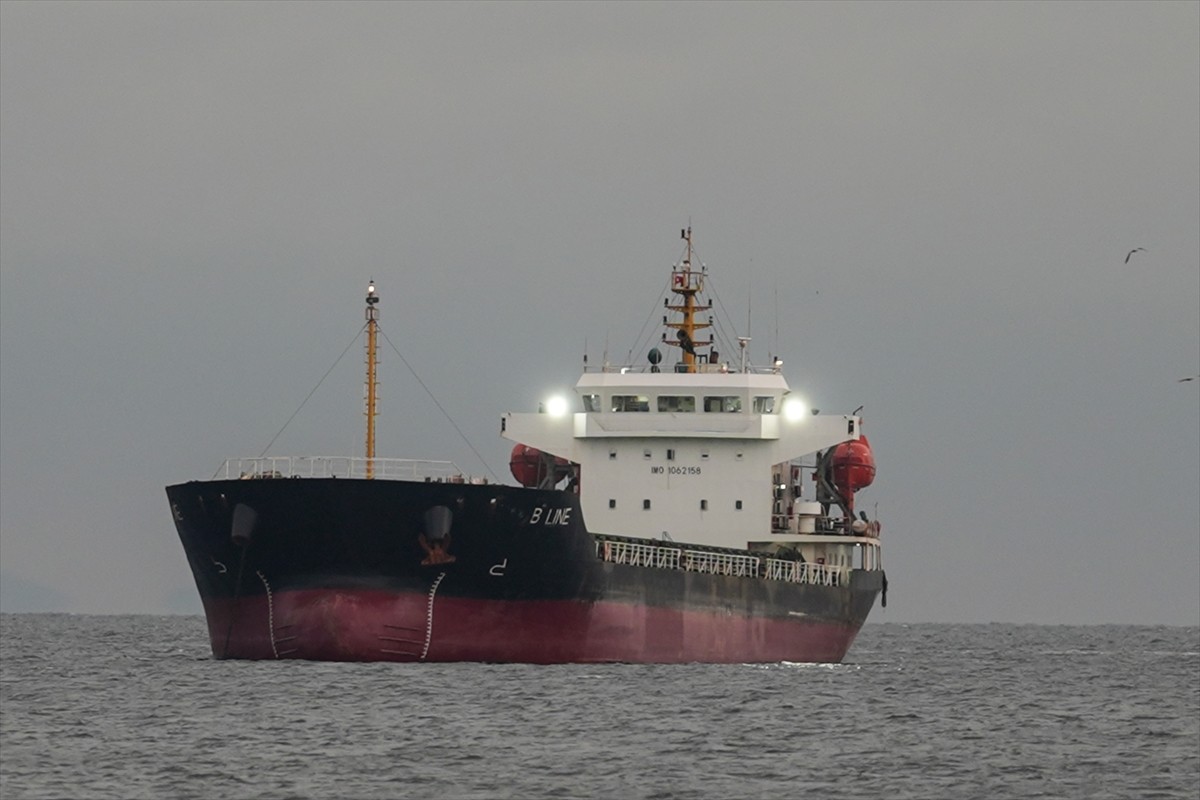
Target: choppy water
{"points": [[132, 707]]}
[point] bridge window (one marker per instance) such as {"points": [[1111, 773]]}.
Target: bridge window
{"points": [[728, 404], [704, 505], [591, 402], [646, 505], [612, 503], [764, 404], [738, 505], [630, 402], [671, 403]]}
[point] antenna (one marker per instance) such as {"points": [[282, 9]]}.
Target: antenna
{"points": [[749, 296], [775, 344], [749, 300]]}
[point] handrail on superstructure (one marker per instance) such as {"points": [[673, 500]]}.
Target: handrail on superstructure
{"points": [[705, 368]]}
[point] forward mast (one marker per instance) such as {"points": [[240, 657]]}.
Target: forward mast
{"points": [[372, 314]]}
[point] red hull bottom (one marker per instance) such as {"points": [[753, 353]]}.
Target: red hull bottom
{"points": [[362, 625]]}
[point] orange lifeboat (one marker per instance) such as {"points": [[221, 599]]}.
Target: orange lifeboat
{"points": [[852, 466], [529, 465]]}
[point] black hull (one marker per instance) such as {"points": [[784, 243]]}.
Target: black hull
{"points": [[346, 569]]}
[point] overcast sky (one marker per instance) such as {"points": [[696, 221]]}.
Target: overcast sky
{"points": [[923, 208]]}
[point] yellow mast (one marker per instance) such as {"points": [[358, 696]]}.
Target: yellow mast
{"points": [[372, 329], [687, 283]]}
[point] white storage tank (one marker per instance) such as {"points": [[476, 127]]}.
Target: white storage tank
{"points": [[806, 514]]}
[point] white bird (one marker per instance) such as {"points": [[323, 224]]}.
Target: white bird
{"points": [[1134, 250]]}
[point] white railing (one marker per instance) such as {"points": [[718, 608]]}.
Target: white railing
{"points": [[662, 557], [397, 469], [806, 572], [824, 526], [720, 563], [722, 368], [641, 555]]}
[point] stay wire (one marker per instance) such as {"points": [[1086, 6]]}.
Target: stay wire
{"points": [[445, 413], [653, 311], [314, 389], [712, 291]]}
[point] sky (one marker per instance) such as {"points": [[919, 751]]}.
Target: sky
{"points": [[923, 208]]}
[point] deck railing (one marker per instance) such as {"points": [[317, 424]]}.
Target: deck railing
{"points": [[807, 572], [397, 469], [641, 555], [720, 563], [717, 563]]}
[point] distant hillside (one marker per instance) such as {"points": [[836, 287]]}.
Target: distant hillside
{"points": [[19, 595]]}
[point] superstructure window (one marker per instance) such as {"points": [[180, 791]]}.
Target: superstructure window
{"points": [[646, 505], [727, 404], [591, 402], [671, 403], [630, 402], [764, 404]]}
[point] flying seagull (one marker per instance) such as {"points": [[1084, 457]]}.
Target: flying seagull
{"points": [[1129, 255], [1191, 378]]}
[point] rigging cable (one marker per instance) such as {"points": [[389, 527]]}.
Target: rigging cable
{"points": [[446, 414], [718, 333], [712, 291], [310, 394], [653, 311]]}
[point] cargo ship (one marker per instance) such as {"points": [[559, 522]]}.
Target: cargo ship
{"points": [[690, 508]]}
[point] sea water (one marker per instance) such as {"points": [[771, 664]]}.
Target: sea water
{"points": [[136, 707]]}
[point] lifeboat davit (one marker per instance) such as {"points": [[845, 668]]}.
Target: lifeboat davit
{"points": [[529, 465]]}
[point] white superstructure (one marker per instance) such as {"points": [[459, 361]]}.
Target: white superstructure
{"points": [[704, 453], [709, 475]]}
